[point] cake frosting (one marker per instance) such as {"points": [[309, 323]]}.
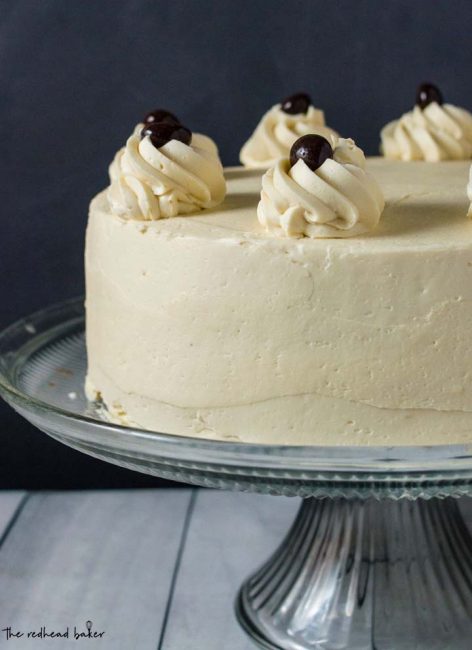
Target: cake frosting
{"points": [[199, 141], [432, 131], [209, 325], [338, 199], [151, 183], [276, 133]]}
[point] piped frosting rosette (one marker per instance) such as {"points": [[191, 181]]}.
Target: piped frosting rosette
{"points": [[278, 130], [339, 198], [199, 140], [149, 182], [432, 131]]}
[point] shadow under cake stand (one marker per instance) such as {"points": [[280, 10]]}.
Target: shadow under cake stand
{"points": [[377, 558]]}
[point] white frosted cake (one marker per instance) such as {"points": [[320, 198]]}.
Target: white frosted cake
{"points": [[212, 324]]}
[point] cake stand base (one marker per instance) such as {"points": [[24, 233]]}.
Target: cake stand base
{"points": [[365, 575]]}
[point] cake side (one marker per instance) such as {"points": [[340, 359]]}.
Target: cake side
{"points": [[207, 325]]}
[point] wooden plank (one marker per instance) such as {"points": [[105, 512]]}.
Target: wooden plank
{"points": [[107, 557], [229, 536], [9, 502]]}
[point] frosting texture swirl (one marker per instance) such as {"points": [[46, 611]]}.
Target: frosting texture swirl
{"points": [[277, 131], [437, 132], [339, 199], [176, 179]]}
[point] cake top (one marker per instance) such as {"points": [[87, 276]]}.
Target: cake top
{"points": [[425, 207]]}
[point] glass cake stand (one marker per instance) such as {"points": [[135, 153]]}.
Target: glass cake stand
{"points": [[372, 561]]}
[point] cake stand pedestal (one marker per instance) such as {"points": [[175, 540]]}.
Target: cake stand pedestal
{"points": [[378, 557], [365, 574]]}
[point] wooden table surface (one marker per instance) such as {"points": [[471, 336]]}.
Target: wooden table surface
{"points": [[153, 569]]}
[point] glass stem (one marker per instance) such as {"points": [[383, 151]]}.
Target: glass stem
{"points": [[365, 575]]}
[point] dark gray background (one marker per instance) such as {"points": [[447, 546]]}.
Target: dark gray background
{"points": [[76, 75]]}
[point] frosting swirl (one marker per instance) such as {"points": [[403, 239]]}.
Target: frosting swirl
{"points": [[339, 199], [149, 183], [277, 131], [437, 132]]}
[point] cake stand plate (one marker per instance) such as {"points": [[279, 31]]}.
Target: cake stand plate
{"points": [[372, 561]]}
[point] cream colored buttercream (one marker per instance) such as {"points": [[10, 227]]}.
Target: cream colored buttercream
{"points": [[277, 131], [437, 132], [210, 326], [339, 199], [199, 140], [149, 183]]}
